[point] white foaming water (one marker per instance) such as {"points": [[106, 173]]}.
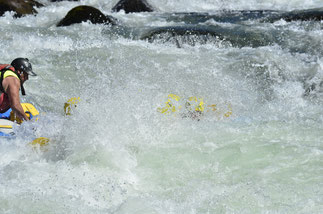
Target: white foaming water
{"points": [[117, 153]]}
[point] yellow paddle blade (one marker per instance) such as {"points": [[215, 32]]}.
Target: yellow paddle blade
{"points": [[212, 107], [70, 104], [229, 113], [194, 107], [41, 141], [195, 104], [28, 109], [172, 105], [6, 126], [174, 97]]}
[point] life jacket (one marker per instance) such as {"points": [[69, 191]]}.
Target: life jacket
{"points": [[3, 69], [4, 103]]}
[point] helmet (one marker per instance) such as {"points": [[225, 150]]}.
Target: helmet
{"points": [[23, 64]]}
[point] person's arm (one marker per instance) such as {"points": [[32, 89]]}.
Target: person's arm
{"points": [[11, 87]]}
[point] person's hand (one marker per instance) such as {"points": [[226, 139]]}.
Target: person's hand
{"points": [[30, 116]]}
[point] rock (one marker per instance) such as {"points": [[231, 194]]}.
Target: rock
{"points": [[315, 14], [180, 35], [20, 7], [133, 6], [304, 15], [225, 16], [178, 31], [238, 36], [85, 13]]}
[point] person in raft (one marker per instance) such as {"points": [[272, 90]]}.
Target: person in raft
{"points": [[12, 78]]}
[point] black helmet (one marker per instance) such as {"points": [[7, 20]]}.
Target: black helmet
{"points": [[23, 64]]}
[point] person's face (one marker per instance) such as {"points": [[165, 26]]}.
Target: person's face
{"points": [[24, 76]]}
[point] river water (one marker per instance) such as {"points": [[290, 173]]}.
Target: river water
{"points": [[135, 144]]}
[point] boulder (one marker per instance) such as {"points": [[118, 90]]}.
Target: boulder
{"points": [[226, 16], [20, 7], [238, 36], [304, 15], [180, 35], [133, 6], [178, 31], [85, 13], [315, 14]]}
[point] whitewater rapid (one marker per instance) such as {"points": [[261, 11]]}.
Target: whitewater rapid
{"points": [[257, 147]]}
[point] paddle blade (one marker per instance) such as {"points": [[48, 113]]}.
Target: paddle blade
{"points": [[70, 104], [41, 142], [29, 110]]}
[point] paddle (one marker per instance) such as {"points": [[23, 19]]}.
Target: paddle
{"points": [[6, 126], [195, 106], [68, 106], [41, 141], [31, 112]]}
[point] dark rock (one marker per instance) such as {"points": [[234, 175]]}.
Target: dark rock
{"points": [[239, 36], [315, 14], [240, 16], [313, 87], [85, 13], [20, 7], [227, 16], [305, 15], [178, 31], [133, 6], [180, 35]]}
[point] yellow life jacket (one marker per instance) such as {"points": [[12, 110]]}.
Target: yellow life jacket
{"points": [[7, 70]]}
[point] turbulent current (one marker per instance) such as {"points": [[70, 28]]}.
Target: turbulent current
{"points": [[170, 123]]}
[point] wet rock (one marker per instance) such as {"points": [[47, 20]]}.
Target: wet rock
{"points": [[180, 35], [315, 14], [85, 13], [226, 16], [240, 16], [133, 6], [313, 87], [20, 7], [305, 15], [178, 31], [238, 36]]}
